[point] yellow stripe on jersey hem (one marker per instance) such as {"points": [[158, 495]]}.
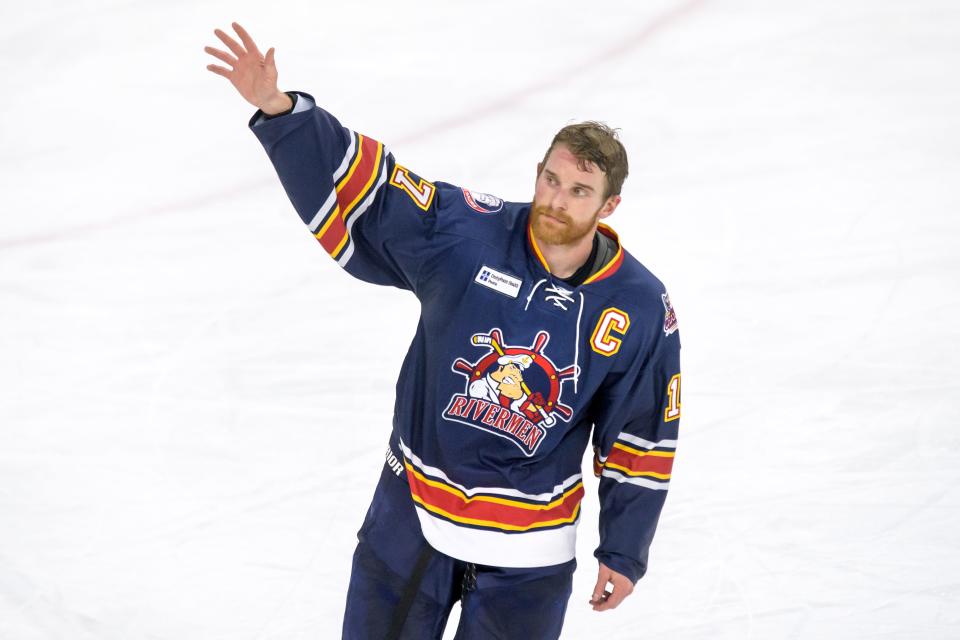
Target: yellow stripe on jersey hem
{"points": [[510, 503], [494, 524]]}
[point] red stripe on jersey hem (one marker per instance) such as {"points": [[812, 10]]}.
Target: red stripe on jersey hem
{"points": [[487, 511]]}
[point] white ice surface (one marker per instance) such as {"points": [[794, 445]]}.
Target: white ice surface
{"points": [[194, 400]]}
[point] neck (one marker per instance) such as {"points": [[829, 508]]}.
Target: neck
{"points": [[565, 259]]}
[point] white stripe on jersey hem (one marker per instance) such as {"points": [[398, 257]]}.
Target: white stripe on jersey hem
{"points": [[323, 212], [640, 482], [646, 444], [498, 491], [527, 549], [363, 206], [342, 169]]}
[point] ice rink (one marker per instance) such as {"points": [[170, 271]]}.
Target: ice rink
{"points": [[195, 400]]}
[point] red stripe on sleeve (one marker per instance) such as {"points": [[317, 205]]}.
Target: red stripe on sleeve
{"points": [[642, 463], [347, 192]]}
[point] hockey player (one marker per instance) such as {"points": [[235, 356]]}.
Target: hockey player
{"points": [[559, 335]]}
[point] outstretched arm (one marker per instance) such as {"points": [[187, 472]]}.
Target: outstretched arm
{"points": [[252, 74], [373, 216]]}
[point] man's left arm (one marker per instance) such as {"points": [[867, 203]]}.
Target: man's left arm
{"points": [[635, 438]]}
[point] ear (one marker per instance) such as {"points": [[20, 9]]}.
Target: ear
{"points": [[609, 206], [539, 168]]}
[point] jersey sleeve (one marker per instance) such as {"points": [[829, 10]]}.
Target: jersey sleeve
{"points": [[370, 214], [635, 438]]}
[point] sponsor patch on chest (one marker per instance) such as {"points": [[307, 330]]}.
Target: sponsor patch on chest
{"points": [[499, 281]]}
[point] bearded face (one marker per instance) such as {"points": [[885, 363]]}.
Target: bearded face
{"points": [[551, 226], [569, 200]]}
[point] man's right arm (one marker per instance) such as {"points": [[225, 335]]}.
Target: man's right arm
{"points": [[371, 215]]}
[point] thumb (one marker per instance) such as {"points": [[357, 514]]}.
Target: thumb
{"points": [[603, 576], [268, 59]]}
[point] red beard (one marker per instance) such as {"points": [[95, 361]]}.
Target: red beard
{"points": [[564, 232]]}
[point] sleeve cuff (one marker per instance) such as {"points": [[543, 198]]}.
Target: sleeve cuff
{"points": [[301, 103]]}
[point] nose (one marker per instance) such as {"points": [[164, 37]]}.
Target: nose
{"points": [[558, 201]]}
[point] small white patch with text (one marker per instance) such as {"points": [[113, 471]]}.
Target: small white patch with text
{"points": [[498, 281]]}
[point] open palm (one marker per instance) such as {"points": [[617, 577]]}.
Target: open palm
{"points": [[253, 74]]}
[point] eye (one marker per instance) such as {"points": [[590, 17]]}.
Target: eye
{"points": [[551, 180], [579, 191]]}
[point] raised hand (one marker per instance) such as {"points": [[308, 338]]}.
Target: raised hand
{"points": [[253, 74]]}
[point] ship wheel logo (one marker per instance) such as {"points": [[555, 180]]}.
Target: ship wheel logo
{"points": [[512, 392]]}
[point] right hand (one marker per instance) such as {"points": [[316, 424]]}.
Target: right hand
{"points": [[253, 74]]}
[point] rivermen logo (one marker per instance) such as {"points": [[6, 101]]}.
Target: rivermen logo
{"points": [[512, 392]]}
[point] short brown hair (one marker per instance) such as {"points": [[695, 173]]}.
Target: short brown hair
{"points": [[597, 143]]}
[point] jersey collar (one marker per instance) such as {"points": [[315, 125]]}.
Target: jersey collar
{"points": [[602, 273]]}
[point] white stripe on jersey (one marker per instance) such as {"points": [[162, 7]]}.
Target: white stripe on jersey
{"points": [[322, 213], [640, 482], [499, 491], [494, 548], [363, 206], [646, 444], [342, 169]]}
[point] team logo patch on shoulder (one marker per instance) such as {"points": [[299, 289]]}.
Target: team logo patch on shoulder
{"points": [[482, 202], [669, 316], [512, 391]]}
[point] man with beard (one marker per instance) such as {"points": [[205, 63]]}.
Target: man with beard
{"points": [[480, 511]]}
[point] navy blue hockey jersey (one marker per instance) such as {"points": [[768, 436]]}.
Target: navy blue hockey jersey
{"points": [[511, 371]]}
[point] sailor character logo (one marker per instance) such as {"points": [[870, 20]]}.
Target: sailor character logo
{"points": [[482, 202], [512, 392], [669, 317]]}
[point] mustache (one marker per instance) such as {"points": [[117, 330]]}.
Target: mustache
{"points": [[540, 210]]}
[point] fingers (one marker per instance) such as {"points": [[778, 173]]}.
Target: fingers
{"points": [[230, 42], [611, 600], [603, 600], [220, 71], [599, 593], [222, 55], [246, 40]]}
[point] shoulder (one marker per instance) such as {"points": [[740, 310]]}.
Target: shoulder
{"points": [[642, 297], [633, 284], [477, 215]]}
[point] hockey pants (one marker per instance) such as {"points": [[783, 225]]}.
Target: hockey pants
{"points": [[401, 588]]}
